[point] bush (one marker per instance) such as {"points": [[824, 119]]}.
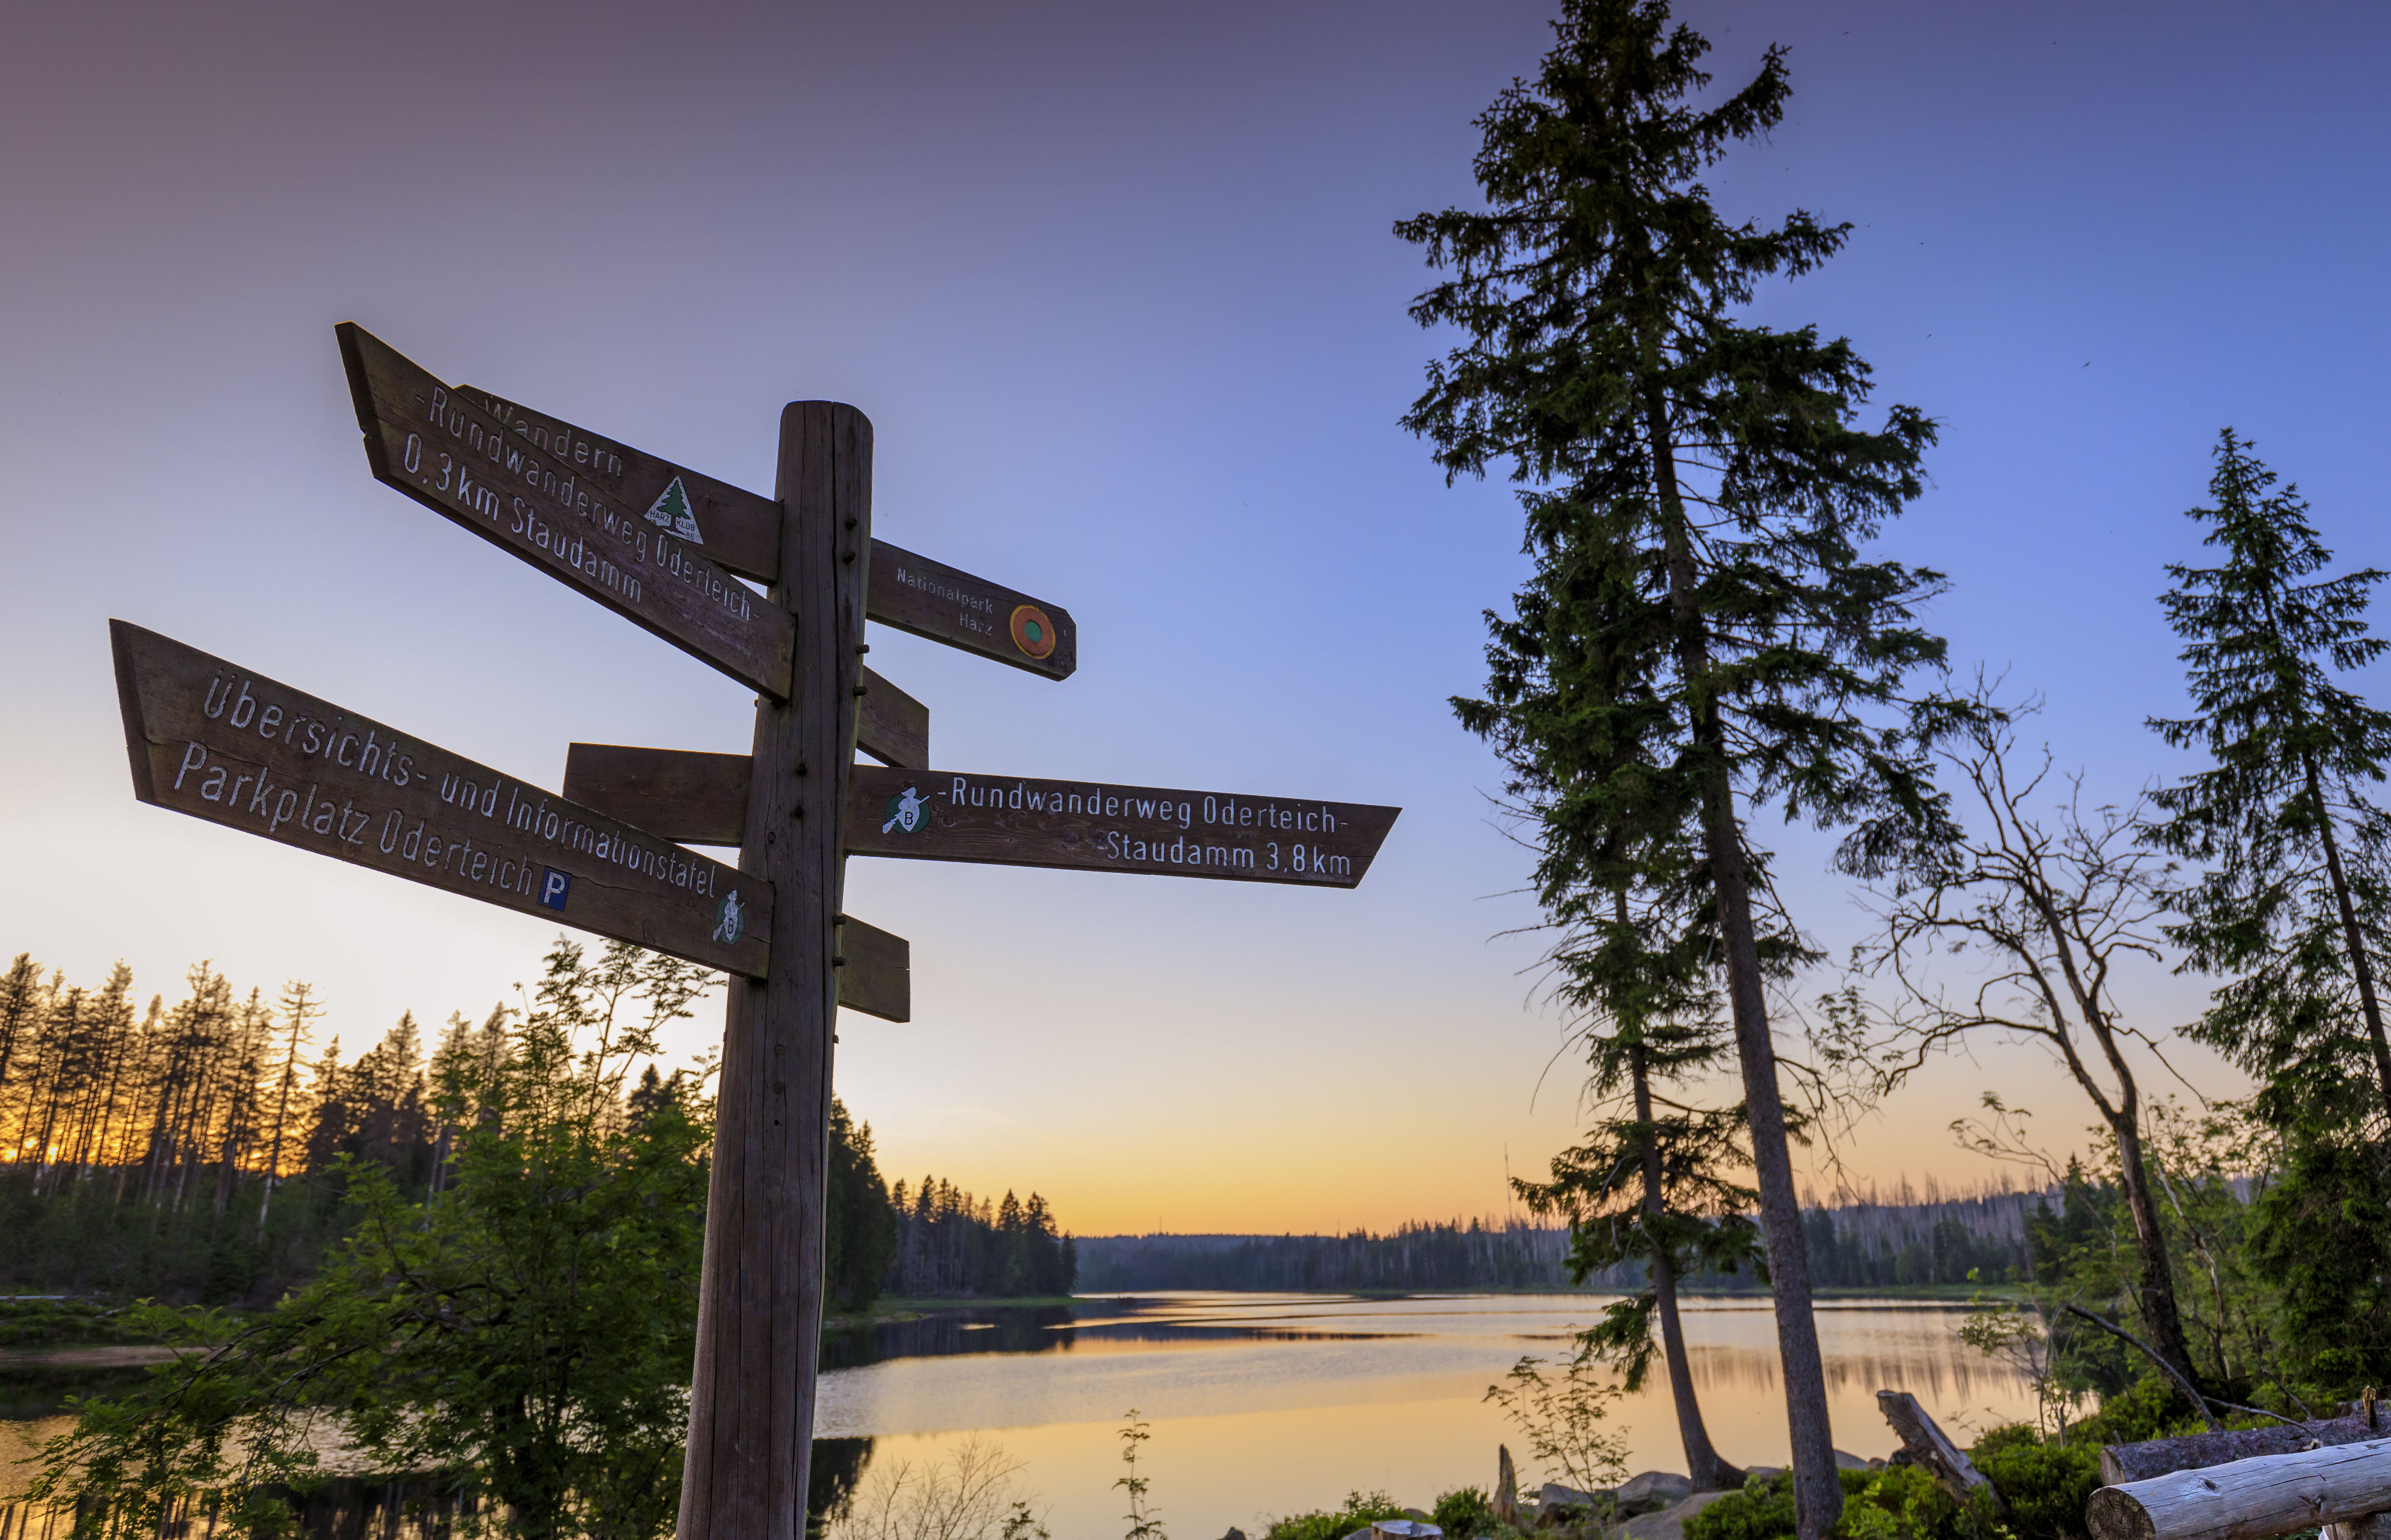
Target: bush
{"points": [[1361, 1510], [1900, 1503], [2146, 1409], [1897, 1503], [1465, 1514], [2046, 1484], [1762, 1510], [37, 1323]]}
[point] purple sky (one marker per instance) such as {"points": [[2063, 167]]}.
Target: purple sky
{"points": [[1114, 284]]}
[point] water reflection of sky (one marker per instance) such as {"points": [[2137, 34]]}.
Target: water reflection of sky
{"points": [[1269, 1403]]}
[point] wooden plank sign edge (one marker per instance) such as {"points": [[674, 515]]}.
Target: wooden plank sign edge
{"points": [[469, 469], [680, 794], [230, 746], [947, 604], [875, 970]]}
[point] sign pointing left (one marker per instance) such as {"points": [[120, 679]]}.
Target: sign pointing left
{"points": [[214, 740], [579, 508]]}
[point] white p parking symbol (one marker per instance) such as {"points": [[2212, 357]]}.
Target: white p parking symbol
{"points": [[553, 886]]}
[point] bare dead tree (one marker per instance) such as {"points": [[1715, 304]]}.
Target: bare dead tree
{"points": [[2045, 911]]}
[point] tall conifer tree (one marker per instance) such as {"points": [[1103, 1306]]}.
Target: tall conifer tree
{"points": [[2292, 904], [1715, 468]]}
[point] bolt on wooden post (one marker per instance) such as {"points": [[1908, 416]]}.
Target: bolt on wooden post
{"points": [[760, 1296]]}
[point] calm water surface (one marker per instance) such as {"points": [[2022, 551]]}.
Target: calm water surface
{"points": [[1267, 1404]]}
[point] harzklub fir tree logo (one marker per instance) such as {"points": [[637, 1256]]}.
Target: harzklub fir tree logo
{"points": [[672, 512]]}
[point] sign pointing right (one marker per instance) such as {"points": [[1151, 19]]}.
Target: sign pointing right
{"points": [[1094, 826]]}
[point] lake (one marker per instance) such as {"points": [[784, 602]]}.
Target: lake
{"points": [[1264, 1404]]}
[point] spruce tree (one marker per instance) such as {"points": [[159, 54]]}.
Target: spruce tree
{"points": [[2292, 906], [1714, 468], [1572, 708]]}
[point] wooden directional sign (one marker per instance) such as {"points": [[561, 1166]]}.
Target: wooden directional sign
{"points": [[875, 970], [1089, 825], [698, 799], [890, 725], [569, 504], [217, 741], [732, 526], [946, 604]]}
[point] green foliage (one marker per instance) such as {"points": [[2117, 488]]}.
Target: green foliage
{"points": [[1762, 1510], [2148, 1409], [2045, 1482], [1464, 1513], [2291, 906], [1361, 1510], [1700, 627], [43, 1323], [860, 1241], [1901, 1503], [1145, 1522], [2322, 1235], [1562, 1416], [528, 1329], [1897, 1503]]}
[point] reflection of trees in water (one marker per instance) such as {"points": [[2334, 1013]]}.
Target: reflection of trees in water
{"points": [[951, 1333], [1930, 1373], [837, 1468], [1042, 1329]]}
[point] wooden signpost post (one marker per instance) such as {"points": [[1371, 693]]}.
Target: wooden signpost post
{"points": [[667, 548]]}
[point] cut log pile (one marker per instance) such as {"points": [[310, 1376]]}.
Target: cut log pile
{"points": [[2251, 1483]]}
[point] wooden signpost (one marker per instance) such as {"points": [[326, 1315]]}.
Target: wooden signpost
{"points": [[668, 548], [220, 742]]}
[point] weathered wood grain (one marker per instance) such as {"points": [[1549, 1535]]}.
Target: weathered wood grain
{"points": [[947, 604], [736, 529], [2249, 1499], [701, 799], [224, 743], [892, 728], [442, 447], [1088, 825], [875, 970], [2122, 1463], [760, 1296], [1934, 1452], [695, 798]]}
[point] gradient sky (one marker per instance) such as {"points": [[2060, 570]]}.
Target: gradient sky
{"points": [[1116, 284]]}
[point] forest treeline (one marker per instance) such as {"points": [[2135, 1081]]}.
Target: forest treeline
{"points": [[1858, 1243], [193, 1151]]}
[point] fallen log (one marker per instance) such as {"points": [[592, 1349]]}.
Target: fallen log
{"points": [[2121, 1463], [1928, 1446], [2249, 1499]]}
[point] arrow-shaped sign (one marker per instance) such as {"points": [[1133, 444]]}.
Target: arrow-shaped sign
{"points": [[568, 504], [217, 741], [1092, 826]]}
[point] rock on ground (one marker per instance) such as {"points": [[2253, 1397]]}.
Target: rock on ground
{"points": [[1651, 1491], [1670, 1522]]}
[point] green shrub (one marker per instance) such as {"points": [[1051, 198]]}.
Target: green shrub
{"points": [[1762, 1510], [2044, 1484], [2146, 1409], [1900, 1503], [1465, 1514], [35, 1323], [1361, 1510], [1897, 1503]]}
